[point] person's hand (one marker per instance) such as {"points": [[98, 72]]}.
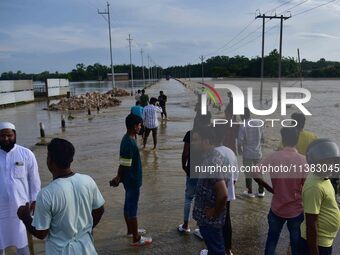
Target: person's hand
{"points": [[32, 208], [210, 213], [24, 211], [115, 181]]}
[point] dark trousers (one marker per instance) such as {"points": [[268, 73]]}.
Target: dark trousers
{"points": [[164, 112], [249, 179], [213, 238], [154, 135], [304, 250], [275, 226], [227, 230]]}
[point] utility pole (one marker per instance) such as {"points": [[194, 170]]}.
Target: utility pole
{"points": [[282, 18], [107, 12], [189, 72], [149, 68], [262, 59], [130, 39], [202, 59], [151, 72], [300, 68], [141, 53]]}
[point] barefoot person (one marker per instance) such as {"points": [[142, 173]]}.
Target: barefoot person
{"points": [[150, 120], [162, 99], [19, 184], [130, 173], [68, 208]]}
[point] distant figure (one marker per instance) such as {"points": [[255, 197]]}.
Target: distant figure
{"points": [[150, 121], [138, 95], [162, 99], [144, 99], [286, 205], [231, 100], [211, 194], [137, 109], [68, 208], [130, 174], [322, 215], [19, 184], [249, 143]]}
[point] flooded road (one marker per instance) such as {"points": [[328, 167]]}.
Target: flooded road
{"points": [[97, 139]]}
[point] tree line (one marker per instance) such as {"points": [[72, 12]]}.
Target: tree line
{"points": [[217, 66]]}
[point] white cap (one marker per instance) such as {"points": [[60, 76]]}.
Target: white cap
{"points": [[6, 125]]}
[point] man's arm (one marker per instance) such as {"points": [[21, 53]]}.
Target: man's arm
{"points": [[97, 215], [312, 233], [33, 179], [185, 156], [221, 198], [24, 215], [118, 178], [264, 184]]}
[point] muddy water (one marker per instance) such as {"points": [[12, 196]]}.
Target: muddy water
{"points": [[97, 140]]}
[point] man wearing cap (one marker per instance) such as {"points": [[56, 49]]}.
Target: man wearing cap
{"points": [[19, 184], [322, 215]]}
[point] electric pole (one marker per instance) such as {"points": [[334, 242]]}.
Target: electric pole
{"points": [[141, 53], [149, 68], [189, 72], [130, 39], [282, 18], [202, 59], [300, 68], [107, 12]]}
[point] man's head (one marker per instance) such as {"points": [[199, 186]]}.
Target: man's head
{"points": [[246, 115], [138, 91], [202, 120], [143, 91], [133, 123], [60, 153], [323, 152], [161, 92], [289, 136], [300, 119], [137, 103], [153, 100], [204, 138], [7, 136]]}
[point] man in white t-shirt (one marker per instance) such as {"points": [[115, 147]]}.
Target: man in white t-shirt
{"points": [[67, 209], [19, 184]]}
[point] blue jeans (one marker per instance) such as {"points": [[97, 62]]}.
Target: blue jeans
{"points": [[304, 250], [131, 202], [213, 238], [190, 189], [275, 226]]}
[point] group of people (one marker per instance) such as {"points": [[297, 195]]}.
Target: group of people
{"points": [[148, 110], [71, 205], [306, 201], [65, 211]]}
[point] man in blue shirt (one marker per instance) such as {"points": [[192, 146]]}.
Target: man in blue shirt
{"points": [[130, 173]]}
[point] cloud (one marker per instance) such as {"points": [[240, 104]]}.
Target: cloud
{"points": [[317, 35]]}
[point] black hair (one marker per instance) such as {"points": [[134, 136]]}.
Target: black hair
{"points": [[132, 120], [61, 152], [202, 120], [246, 113], [300, 119], [153, 100], [137, 103], [138, 91], [143, 91], [161, 92], [289, 136], [206, 133]]}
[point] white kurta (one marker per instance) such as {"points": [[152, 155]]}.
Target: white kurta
{"points": [[19, 184]]}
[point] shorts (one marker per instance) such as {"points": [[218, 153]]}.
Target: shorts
{"points": [[131, 202]]}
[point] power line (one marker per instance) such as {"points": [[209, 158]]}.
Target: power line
{"points": [[277, 7], [316, 7]]}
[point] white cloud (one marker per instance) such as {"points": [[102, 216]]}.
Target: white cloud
{"points": [[317, 35]]}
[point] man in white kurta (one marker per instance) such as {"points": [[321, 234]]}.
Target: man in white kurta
{"points": [[19, 184]]}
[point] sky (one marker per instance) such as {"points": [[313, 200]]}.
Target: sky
{"points": [[56, 35]]}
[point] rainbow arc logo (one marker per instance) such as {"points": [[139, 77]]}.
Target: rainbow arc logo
{"points": [[213, 94]]}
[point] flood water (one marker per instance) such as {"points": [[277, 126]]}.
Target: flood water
{"points": [[97, 139]]}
